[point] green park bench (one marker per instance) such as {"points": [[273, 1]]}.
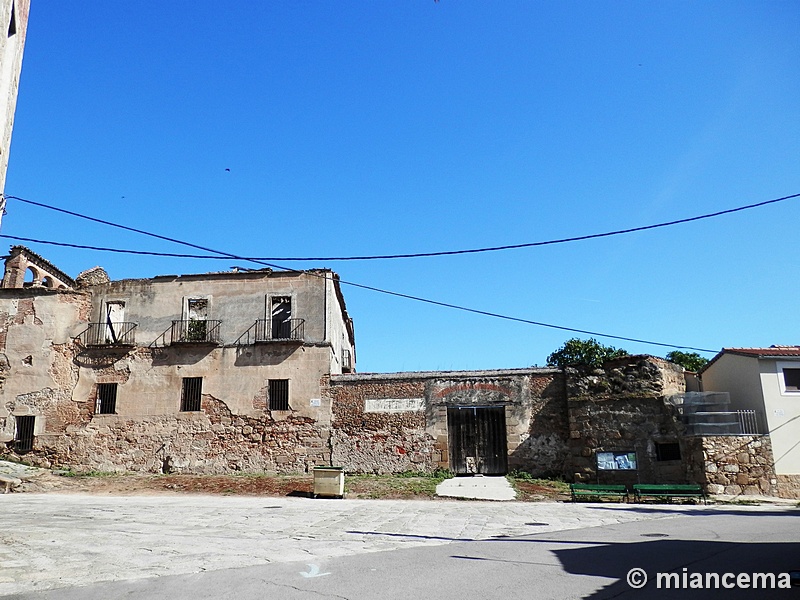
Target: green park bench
{"points": [[597, 491], [667, 491]]}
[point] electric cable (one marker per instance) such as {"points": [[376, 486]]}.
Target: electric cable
{"points": [[380, 290], [385, 256]]}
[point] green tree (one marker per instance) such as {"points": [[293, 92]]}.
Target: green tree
{"points": [[583, 353], [691, 361]]}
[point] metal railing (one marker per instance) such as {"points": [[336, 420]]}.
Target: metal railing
{"points": [[195, 331], [268, 330], [749, 421], [108, 334]]}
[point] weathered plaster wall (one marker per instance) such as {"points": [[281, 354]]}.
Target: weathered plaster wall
{"points": [[44, 373], [11, 51], [36, 349]]}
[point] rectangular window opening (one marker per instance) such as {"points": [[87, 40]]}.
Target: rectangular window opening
{"points": [[279, 394], [791, 380], [106, 398], [12, 25], [668, 451], [281, 317], [23, 437], [192, 392]]}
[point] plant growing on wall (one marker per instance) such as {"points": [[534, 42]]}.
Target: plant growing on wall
{"points": [[691, 361], [196, 330], [583, 353]]}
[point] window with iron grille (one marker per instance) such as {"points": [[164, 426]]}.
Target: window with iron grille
{"points": [[23, 437], [192, 390], [106, 398], [279, 394], [668, 451]]}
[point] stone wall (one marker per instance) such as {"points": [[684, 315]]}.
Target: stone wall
{"points": [[734, 465], [789, 486], [212, 441], [622, 408]]}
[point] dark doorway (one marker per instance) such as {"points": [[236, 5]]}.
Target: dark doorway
{"points": [[23, 440], [478, 440]]}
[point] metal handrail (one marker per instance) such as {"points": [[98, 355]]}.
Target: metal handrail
{"points": [[194, 331], [109, 334], [269, 330]]}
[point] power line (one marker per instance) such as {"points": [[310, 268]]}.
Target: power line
{"points": [[371, 288], [382, 256]]}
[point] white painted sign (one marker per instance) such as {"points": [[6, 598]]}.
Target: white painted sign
{"points": [[393, 405], [315, 402]]}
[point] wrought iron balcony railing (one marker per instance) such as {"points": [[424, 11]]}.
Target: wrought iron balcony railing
{"points": [[108, 334], [195, 331], [270, 330]]}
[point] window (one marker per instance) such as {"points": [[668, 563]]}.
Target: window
{"points": [[23, 438], [279, 394], [668, 451], [106, 398], [12, 25], [791, 380], [192, 390]]}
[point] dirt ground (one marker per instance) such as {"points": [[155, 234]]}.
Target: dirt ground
{"points": [[356, 486]]}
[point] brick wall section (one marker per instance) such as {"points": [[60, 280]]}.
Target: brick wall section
{"points": [[417, 440], [372, 442], [622, 408]]}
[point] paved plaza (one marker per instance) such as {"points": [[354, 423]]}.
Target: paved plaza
{"points": [[58, 540]]}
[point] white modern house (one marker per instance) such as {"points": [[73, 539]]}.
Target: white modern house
{"points": [[766, 380]]}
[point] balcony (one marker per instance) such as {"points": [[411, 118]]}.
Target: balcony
{"points": [[266, 331], [117, 335], [289, 330], [195, 331]]}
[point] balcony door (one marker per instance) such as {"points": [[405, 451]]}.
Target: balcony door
{"points": [[115, 317], [280, 317]]}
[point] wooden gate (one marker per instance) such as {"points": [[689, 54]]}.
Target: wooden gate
{"points": [[477, 440]]}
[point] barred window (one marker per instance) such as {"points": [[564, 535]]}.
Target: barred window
{"points": [[668, 451], [192, 391], [279, 394], [106, 398]]}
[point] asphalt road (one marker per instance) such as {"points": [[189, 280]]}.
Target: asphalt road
{"points": [[382, 549]]}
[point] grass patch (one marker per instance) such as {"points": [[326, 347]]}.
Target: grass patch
{"points": [[410, 484], [92, 473]]}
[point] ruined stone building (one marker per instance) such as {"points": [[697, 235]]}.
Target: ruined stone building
{"points": [[255, 371], [206, 373]]}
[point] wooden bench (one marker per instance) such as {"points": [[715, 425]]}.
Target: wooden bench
{"points": [[668, 491], [592, 490]]}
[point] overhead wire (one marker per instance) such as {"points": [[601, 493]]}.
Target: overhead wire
{"points": [[378, 256], [272, 265]]}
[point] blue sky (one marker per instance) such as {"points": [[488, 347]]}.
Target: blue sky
{"points": [[396, 127]]}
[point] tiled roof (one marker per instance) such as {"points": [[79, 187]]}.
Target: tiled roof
{"points": [[772, 351]]}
